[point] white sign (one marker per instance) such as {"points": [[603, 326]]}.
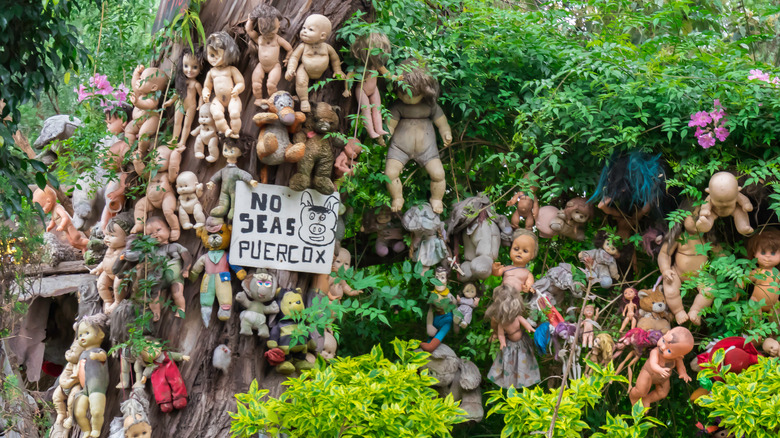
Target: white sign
{"points": [[278, 228]]}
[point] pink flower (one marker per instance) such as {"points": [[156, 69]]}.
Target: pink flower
{"points": [[758, 74], [100, 82], [716, 103], [706, 141], [120, 92], [717, 114], [699, 132], [702, 118], [82, 92], [721, 133]]}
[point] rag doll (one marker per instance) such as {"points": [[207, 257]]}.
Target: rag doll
{"points": [[229, 176], [467, 303], [600, 265], [428, 235]]}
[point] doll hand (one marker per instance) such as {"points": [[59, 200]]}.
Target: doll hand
{"points": [[447, 139], [253, 183], [432, 330], [210, 185], [669, 275], [186, 273], [347, 93], [233, 94], [138, 70], [143, 380], [685, 377], [665, 373], [206, 95], [531, 329], [185, 358], [289, 75], [502, 345]]}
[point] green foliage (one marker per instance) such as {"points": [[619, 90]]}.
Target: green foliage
{"points": [[618, 427], [358, 396]]}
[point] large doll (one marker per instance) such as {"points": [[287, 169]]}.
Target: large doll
{"points": [[440, 318], [523, 249], [765, 248], [672, 347], [268, 43], [724, 199], [47, 199], [148, 86], [93, 374], [428, 235], [226, 81], [187, 101], [108, 283], [371, 51], [414, 137]]}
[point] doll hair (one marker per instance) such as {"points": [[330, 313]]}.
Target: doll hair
{"points": [[265, 17], [418, 81], [180, 83], [99, 321], [124, 221], [523, 232], [631, 181], [136, 407], [565, 330], [641, 339], [624, 302], [506, 306], [363, 49], [767, 240], [542, 337], [222, 41], [606, 347], [650, 240], [243, 143], [123, 110]]}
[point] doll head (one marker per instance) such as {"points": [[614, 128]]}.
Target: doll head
{"points": [[506, 306], [342, 258], [72, 354], [46, 198], [329, 346], [441, 274], [578, 210], [470, 290], [676, 343], [187, 183], [190, 67], [316, 29], [91, 331], [135, 415], [771, 347], [605, 346], [373, 49], [152, 80], [158, 229], [417, 84], [266, 19], [117, 118], [117, 229], [204, 115], [221, 49], [589, 311], [652, 239], [723, 190], [233, 149], [765, 247], [524, 247]]}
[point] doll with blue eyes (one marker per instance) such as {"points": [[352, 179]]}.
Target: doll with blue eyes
{"points": [[765, 248], [657, 371]]}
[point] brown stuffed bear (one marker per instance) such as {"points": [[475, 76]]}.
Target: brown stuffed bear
{"points": [[653, 312], [277, 120], [319, 154]]}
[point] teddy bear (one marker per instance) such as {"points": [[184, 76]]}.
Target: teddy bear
{"points": [[653, 312], [277, 121], [216, 281], [288, 359], [259, 289], [315, 167], [346, 160]]}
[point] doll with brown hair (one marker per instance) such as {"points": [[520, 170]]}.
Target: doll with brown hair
{"points": [[629, 304], [108, 284], [724, 199], [228, 176], [412, 126], [515, 364], [672, 347], [568, 222], [93, 374], [523, 249], [47, 199], [467, 303], [148, 86], [177, 266], [262, 27], [372, 51], [187, 101], [226, 82], [314, 55], [589, 324], [765, 248], [114, 161]]}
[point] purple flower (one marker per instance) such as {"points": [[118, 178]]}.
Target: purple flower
{"points": [[699, 132], [100, 82], [706, 141], [758, 74], [721, 133], [82, 92], [120, 92], [702, 118], [716, 103]]}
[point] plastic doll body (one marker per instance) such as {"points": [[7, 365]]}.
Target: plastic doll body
{"points": [[771, 347], [93, 376], [337, 290], [189, 190], [629, 310], [269, 45], [206, 133], [671, 349], [368, 96], [588, 325], [47, 199], [765, 248], [527, 208], [64, 395], [724, 199], [148, 84], [228, 176], [115, 190], [159, 194], [226, 82], [568, 222], [108, 284], [185, 109], [522, 251]]}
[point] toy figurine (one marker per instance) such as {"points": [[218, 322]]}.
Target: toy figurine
{"points": [[527, 208], [481, 230], [93, 374], [316, 165], [216, 281], [601, 353], [268, 44], [206, 133], [413, 136], [176, 269], [116, 122], [288, 359], [467, 302], [187, 101], [389, 235], [134, 422], [428, 235], [653, 313], [148, 86], [257, 297], [629, 306], [189, 190], [515, 364], [600, 264], [314, 55], [657, 370], [441, 303], [108, 283], [371, 51], [771, 347], [523, 249], [169, 389], [567, 222], [639, 339], [765, 248], [277, 121], [159, 194], [652, 240], [724, 198], [67, 389], [329, 345], [556, 282], [47, 199], [338, 288], [222, 358], [591, 314], [229, 176], [346, 160], [226, 81]]}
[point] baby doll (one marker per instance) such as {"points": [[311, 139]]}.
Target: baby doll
{"points": [[268, 42], [189, 190], [600, 264], [108, 283], [176, 269], [440, 318], [134, 422], [466, 305], [412, 127], [329, 346], [515, 364], [93, 374], [226, 81], [116, 122], [187, 102], [206, 135], [159, 194], [346, 160], [371, 51], [229, 176], [47, 199], [771, 347], [765, 248], [629, 305], [672, 347], [314, 55], [68, 387], [568, 222], [148, 85], [724, 198], [640, 340], [337, 290], [527, 208], [523, 250], [428, 235], [591, 314]]}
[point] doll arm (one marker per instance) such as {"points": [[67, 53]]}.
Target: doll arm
{"points": [[652, 362], [444, 128], [498, 269], [665, 261], [99, 356], [207, 85], [272, 308], [529, 282], [476, 303], [147, 103], [171, 101], [429, 323], [198, 267], [178, 357], [135, 82], [238, 81], [242, 298], [613, 270], [527, 325], [292, 64], [250, 30], [681, 369], [283, 43], [501, 336], [335, 63], [240, 272], [64, 217], [744, 202]]}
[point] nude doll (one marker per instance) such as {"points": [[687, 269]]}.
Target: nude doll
{"points": [[724, 199], [47, 199], [765, 248], [365, 49], [148, 85], [108, 282], [523, 250], [225, 81], [269, 43], [672, 347], [187, 102]]}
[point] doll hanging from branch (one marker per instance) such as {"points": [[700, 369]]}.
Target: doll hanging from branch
{"points": [[262, 27], [226, 81], [371, 51]]}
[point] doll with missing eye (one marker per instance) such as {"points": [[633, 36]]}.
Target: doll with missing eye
{"points": [[225, 81]]}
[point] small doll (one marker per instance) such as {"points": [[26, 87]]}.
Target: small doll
{"points": [[467, 302], [771, 347], [672, 347], [314, 55], [159, 194], [258, 299], [600, 265], [47, 199], [169, 389], [187, 101], [189, 190], [629, 305], [724, 199], [108, 283], [176, 269], [428, 235], [413, 136], [389, 235], [765, 248], [67, 389], [523, 249], [206, 133], [440, 318], [601, 353], [268, 43], [226, 81], [640, 340], [567, 333], [515, 364], [652, 240], [93, 374], [568, 222], [148, 86], [346, 160], [329, 346], [591, 314], [116, 122], [527, 208], [134, 422], [371, 51], [336, 290], [229, 176]]}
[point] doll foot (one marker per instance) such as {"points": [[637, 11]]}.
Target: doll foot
{"points": [[681, 317], [430, 346], [186, 226], [305, 106], [463, 325], [108, 308], [180, 403], [206, 315], [166, 407], [175, 234], [68, 423], [138, 385], [94, 434], [223, 314], [695, 318], [397, 205], [437, 206], [211, 158], [198, 225], [199, 155], [258, 102]]}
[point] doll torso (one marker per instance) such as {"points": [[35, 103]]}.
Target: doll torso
{"points": [[686, 261], [315, 59], [109, 259], [188, 202], [516, 277], [268, 50], [193, 90], [514, 330], [158, 187], [223, 82], [414, 136]]}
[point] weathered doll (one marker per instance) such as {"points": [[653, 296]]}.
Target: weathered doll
{"points": [[176, 269], [589, 324], [440, 318], [68, 388], [108, 283], [226, 82], [346, 160], [515, 364], [229, 176], [134, 422], [640, 340], [187, 102], [314, 55], [189, 189], [258, 299], [414, 137], [93, 374], [114, 161], [771, 347], [47, 199], [600, 265], [724, 199], [569, 222], [672, 347], [765, 248], [389, 234], [601, 353], [160, 195], [371, 51], [522, 251], [337, 289], [527, 207], [428, 235], [629, 305], [148, 86], [169, 389], [266, 38], [329, 346], [206, 133], [467, 303]]}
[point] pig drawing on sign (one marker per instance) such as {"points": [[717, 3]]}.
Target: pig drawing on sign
{"points": [[318, 223]]}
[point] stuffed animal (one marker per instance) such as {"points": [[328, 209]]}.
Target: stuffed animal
{"points": [[653, 313], [222, 358], [459, 377], [259, 289], [280, 354], [315, 167], [277, 121], [568, 222]]}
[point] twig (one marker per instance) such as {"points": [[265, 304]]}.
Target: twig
{"points": [[100, 35]]}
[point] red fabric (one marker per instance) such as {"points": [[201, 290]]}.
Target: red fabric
{"points": [[51, 368], [168, 386], [549, 310], [738, 354], [274, 356]]}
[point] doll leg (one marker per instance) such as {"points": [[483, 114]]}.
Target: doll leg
{"points": [[659, 393], [218, 114], [224, 293], [74, 393], [376, 112], [177, 292], [705, 222], [176, 383], [199, 148], [742, 222], [258, 74], [131, 131], [393, 170], [198, 215], [161, 389], [104, 285], [625, 361], [146, 133], [673, 299], [234, 109], [169, 211], [703, 300], [80, 411], [365, 109], [302, 179], [174, 164], [302, 88], [189, 117], [184, 219], [207, 293], [438, 185], [642, 388], [156, 307], [213, 149], [178, 116], [141, 209], [273, 79], [59, 399], [124, 371]]}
